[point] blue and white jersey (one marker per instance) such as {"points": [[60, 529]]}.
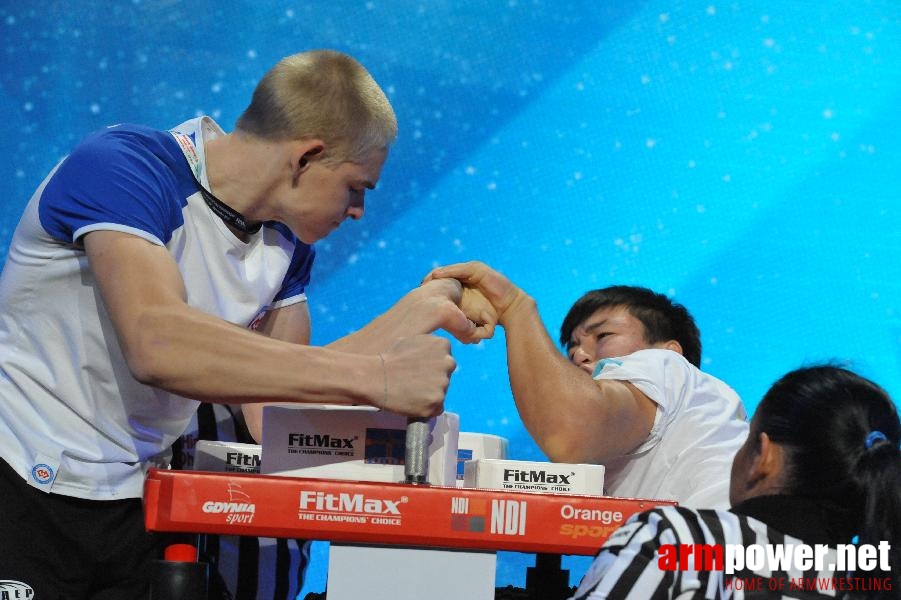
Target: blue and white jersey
{"points": [[73, 420]]}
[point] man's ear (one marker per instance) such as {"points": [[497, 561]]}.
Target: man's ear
{"points": [[673, 345], [766, 473], [305, 152]]}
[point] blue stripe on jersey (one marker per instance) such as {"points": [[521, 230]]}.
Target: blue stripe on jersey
{"points": [[137, 177], [298, 276], [127, 175]]}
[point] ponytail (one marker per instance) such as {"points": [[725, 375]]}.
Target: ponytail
{"points": [[841, 434], [879, 477]]}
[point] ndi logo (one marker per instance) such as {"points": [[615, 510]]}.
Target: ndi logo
{"points": [[508, 517], [13, 590]]}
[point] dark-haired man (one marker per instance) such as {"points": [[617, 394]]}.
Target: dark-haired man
{"points": [[631, 395]]}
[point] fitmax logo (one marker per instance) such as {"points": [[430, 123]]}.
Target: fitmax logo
{"points": [[523, 476], [349, 503], [242, 460], [306, 440]]}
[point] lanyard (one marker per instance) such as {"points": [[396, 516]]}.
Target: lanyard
{"points": [[220, 208]]}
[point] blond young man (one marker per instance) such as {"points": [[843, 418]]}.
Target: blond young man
{"points": [[155, 269]]}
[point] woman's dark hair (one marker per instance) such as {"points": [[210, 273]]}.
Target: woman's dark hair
{"points": [[841, 433], [662, 318]]}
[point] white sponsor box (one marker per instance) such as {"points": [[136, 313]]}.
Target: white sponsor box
{"points": [[475, 446], [351, 443], [530, 476], [227, 457]]}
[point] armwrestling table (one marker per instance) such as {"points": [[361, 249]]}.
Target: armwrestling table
{"points": [[391, 515]]}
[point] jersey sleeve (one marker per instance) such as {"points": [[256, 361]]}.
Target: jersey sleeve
{"points": [[114, 180], [663, 376], [297, 278]]}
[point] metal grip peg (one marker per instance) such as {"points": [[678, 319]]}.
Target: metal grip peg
{"points": [[416, 451]]}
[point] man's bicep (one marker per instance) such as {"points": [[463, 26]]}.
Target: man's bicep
{"points": [[594, 422], [290, 323], [133, 275], [628, 412]]}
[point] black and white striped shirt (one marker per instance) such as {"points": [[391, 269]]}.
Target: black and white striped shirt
{"points": [[626, 568], [242, 567]]}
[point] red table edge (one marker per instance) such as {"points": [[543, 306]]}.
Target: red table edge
{"points": [[412, 515]]}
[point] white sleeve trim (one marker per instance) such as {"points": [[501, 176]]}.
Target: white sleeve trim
{"points": [[302, 297], [116, 227]]}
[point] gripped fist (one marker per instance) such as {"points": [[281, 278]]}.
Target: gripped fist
{"points": [[416, 374], [463, 312], [485, 284], [478, 311]]}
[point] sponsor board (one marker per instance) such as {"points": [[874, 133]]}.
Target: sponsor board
{"points": [[383, 513]]}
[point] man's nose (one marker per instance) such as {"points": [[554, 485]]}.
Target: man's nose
{"points": [[355, 212], [579, 356]]}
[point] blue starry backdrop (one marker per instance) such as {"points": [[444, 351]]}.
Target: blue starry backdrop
{"points": [[741, 157]]}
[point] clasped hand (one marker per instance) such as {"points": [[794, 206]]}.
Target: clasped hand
{"points": [[483, 296]]}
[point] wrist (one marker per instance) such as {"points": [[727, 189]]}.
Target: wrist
{"points": [[522, 304], [375, 378], [383, 403]]}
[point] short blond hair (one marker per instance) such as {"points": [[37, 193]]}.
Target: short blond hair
{"points": [[322, 94]]}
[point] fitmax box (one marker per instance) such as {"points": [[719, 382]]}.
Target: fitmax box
{"points": [[530, 476], [227, 457], [358, 443], [473, 446]]}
